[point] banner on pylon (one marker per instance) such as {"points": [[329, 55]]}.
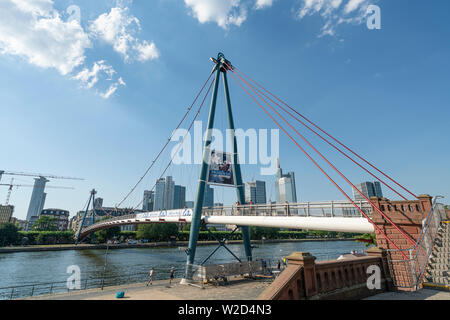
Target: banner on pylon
{"points": [[220, 170]]}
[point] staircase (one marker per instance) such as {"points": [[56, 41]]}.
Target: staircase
{"points": [[438, 271]]}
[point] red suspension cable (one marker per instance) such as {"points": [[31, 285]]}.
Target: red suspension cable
{"points": [[326, 133], [336, 185], [166, 144], [326, 140], [330, 164]]}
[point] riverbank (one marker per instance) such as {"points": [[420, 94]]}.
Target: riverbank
{"points": [[238, 288], [64, 247]]}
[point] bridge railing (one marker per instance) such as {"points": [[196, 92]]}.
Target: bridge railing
{"points": [[408, 274], [50, 288], [303, 209]]}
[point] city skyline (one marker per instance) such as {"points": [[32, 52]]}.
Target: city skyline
{"points": [[366, 87]]}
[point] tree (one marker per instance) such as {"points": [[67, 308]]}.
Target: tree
{"points": [[104, 235], [9, 234], [257, 233], [368, 239], [157, 231], [46, 223]]}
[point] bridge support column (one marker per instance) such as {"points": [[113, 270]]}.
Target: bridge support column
{"points": [[197, 213], [198, 205], [409, 216]]}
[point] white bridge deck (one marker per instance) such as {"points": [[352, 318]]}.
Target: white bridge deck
{"points": [[340, 216]]}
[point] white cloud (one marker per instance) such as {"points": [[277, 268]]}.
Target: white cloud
{"points": [[261, 4], [118, 28], [35, 31], [89, 78], [112, 89], [352, 5], [335, 12], [222, 12], [146, 51]]}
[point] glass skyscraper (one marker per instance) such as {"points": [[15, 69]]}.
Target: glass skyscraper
{"points": [[208, 200], [285, 186], [255, 192], [369, 189], [167, 195]]}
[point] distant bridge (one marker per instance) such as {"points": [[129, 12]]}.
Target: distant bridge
{"points": [[339, 216]]}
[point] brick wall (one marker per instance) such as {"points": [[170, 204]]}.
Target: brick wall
{"points": [[408, 217], [335, 279]]}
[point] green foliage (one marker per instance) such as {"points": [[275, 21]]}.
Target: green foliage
{"points": [[104, 235], [257, 233], [128, 234], [9, 234], [157, 231], [367, 236], [46, 223], [45, 237]]}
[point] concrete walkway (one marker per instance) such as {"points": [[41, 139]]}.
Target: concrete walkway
{"points": [[237, 289], [424, 294]]}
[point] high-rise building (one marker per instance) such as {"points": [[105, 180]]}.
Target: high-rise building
{"points": [[37, 199], [189, 204], [6, 213], [208, 199], [169, 188], [368, 189], [168, 196], [255, 192], [179, 197], [148, 202], [61, 217], [377, 189], [98, 203], [159, 195], [285, 186]]}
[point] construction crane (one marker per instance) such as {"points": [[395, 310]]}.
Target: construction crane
{"points": [[49, 176], [11, 185]]}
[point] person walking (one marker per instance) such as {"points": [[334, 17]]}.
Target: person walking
{"points": [[279, 265], [172, 274], [150, 277]]}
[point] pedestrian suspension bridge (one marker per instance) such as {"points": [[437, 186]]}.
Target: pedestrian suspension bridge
{"points": [[400, 225]]}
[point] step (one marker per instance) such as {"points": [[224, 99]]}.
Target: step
{"points": [[437, 273], [440, 254], [438, 260], [442, 280], [440, 266], [437, 253], [436, 286], [441, 249]]}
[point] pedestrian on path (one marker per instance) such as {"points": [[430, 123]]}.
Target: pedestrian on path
{"points": [[172, 274], [150, 277]]}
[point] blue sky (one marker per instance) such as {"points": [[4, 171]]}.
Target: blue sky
{"points": [[97, 98]]}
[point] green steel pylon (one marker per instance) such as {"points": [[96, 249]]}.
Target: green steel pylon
{"points": [[197, 213]]}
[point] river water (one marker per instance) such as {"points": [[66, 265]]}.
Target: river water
{"points": [[132, 265]]}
